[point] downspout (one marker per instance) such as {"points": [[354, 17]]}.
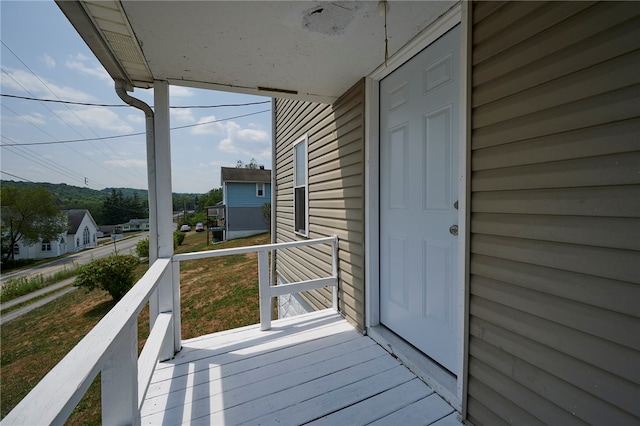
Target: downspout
{"points": [[151, 167]]}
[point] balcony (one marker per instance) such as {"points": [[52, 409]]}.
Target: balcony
{"points": [[314, 368]]}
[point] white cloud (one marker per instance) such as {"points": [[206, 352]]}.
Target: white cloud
{"points": [[136, 118], [102, 118], [26, 82], [180, 92], [48, 61], [183, 115], [251, 143], [35, 118], [208, 129], [130, 162], [87, 66]]}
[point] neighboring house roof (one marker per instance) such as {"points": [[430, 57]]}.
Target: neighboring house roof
{"points": [[137, 221], [107, 229], [236, 174], [75, 217]]}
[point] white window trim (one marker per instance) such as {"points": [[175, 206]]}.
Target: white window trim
{"points": [[86, 236], [305, 140], [264, 189]]}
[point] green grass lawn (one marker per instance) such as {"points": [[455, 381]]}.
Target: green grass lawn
{"points": [[216, 294]]}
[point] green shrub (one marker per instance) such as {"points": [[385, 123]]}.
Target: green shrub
{"points": [[114, 274], [178, 238], [266, 215], [17, 263], [142, 248]]}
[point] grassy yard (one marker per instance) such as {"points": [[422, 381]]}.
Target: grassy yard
{"points": [[217, 294]]}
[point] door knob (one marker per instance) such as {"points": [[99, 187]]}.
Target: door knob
{"points": [[453, 230]]}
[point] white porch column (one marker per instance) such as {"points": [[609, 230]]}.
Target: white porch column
{"points": [[169, 288], [164, 200]]}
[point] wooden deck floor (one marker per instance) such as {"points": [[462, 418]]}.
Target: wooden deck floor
{"points": [[314, 368]]}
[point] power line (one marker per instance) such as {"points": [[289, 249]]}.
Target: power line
{"points": [[135, 134], [27, 98], [53, 112], [44, 131], [17, 177], [49, 164], [66, 106]]}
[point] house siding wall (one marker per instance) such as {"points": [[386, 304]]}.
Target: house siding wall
{"points": [[336, 195], [246, 219], [555, 236], [34, 251], [241, 194]]}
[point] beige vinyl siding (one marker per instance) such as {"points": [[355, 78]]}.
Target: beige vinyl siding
{"points": [[555, 213], [336, 195]]}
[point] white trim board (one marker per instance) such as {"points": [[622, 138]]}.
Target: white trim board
{"points": [[454, 16]]}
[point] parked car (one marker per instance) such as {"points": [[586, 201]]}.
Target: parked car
{"points": [[199, 227], [185, 228]]}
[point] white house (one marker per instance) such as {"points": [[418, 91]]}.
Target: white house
{"points": [[82, 230], [41, 250], [81, 234]]}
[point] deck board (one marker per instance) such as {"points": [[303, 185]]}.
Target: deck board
{"points": [[312, 368]]}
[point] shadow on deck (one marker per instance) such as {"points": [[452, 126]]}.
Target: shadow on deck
{"points": [[314, 368]]}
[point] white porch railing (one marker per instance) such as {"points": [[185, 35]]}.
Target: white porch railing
{"points": [[111, 346]]}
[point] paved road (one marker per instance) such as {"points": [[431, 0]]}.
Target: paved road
{"points": [[123, 246]]}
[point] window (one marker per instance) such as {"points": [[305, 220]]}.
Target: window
{"points": [[46, 245], [300, 192], [85, 236], [259, 189], [16, 248]]}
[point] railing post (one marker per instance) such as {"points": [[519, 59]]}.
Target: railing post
{"points": [[334, 270], [120, 380], [177, 322], [166, 304], [265, 293]]}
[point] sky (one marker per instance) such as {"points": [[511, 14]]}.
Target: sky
{"points": [[44, 58]]}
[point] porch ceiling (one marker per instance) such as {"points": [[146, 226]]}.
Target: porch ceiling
{"points": [[307, 50]]}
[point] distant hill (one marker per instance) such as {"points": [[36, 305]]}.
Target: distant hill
{"points": [[128, 192], [75, 197], [70, 197]]}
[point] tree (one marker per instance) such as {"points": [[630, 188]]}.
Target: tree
{"points": [[142, 248], [266, 214], [209, 199], [253, 164], [112, 208], [114, 274], [29, 215], [118, 208]]}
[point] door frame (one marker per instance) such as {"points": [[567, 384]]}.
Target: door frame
{"points": [[457, 15]]}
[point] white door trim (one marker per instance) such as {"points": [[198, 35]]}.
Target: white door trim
{"points": [[456, 15]]}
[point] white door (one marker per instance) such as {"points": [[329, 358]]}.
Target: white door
{"points": [[419, 122]]}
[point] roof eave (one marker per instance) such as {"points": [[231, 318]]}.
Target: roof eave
{"points": [[82, 21]]}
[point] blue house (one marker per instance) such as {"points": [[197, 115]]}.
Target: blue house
{"points": [[244, 192]]}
